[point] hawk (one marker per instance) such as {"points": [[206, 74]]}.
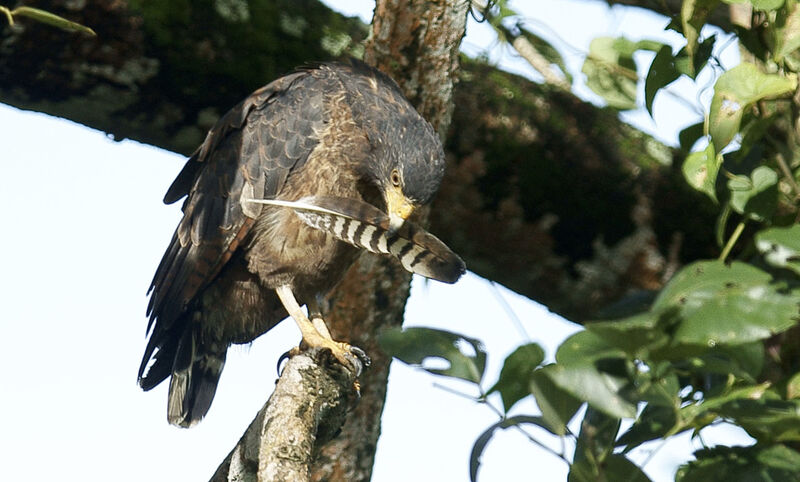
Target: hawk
{"points": [[279, 197]]}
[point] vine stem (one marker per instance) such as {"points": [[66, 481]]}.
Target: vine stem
{"points": [[9, 15], [732, 240], [787, 172]]}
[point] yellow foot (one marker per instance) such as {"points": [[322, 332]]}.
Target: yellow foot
{"points": [[352, 357], [316, 335]]}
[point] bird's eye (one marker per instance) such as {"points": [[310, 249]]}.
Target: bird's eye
{"points": [[395, 177]]}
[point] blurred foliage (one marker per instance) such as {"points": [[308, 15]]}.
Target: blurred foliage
{"points": [[720, 342]]}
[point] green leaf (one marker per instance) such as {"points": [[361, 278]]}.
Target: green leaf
{"points": [[691, 65], [585, 348], [616, 467], [51, 19], [486, 436], [776, 463], [793, 387], [743, 361], [698, 415], [518, 368], [654, 422], [693, 17], [416, 346], [577, 373], [636, 335], [781, 247], [688, 136], [756, 197], [767, 5], [765, 419], [700, 170], [611, 72], [557, 405], [734, 91], [763, 5], [722, 304], [753, 132], [787, 32], [601, 390], [662, 73], [594, 446], [660, 390]]}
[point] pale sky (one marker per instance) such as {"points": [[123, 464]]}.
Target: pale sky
{"points": [[84, 229]]}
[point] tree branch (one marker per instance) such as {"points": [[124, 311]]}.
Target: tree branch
{"points": [[307, 409], [527, 51], [541, 188], [720, 16]]}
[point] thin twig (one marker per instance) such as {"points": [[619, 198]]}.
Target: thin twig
{"points": [[510, 311], [482, 399], [526, 50], [521, 430], [653, 452]]}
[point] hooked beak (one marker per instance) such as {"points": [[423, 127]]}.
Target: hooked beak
{"points": [[399, 207]]}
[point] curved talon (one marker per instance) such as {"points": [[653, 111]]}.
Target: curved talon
{"points": [[361, 354], [351, 361], [356, 357], [286, 355]]}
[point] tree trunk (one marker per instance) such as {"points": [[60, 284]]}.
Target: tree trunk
{"points": [[416, 42], [307, 408]]}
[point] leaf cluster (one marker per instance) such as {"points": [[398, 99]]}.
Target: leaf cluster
{"points": [[718, 343]]}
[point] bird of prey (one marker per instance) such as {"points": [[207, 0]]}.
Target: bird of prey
{"points": [[279, 197]]}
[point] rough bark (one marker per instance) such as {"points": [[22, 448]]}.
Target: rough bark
{"points": [[307, 408], [163, 72], [416, 42]]}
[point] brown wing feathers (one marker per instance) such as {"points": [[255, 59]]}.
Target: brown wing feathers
{"points": [[248, 153]]}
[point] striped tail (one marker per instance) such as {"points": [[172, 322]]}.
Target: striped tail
{"points": [[194, 368], [365, 226]]}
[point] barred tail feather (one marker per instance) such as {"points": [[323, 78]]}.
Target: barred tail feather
{"points": [[194, 369], [195, 375], [365, 226]]}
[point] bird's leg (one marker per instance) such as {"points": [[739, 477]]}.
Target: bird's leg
{"points": [[315, 313], [349, 356]]}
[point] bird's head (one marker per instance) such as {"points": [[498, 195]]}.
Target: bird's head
{"points": [[406, 159], [409, 168]]}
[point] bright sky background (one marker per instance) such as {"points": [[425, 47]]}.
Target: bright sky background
{"points": [[84, 229]]}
